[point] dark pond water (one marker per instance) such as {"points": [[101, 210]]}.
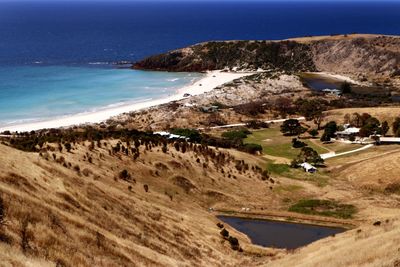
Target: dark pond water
{"points": [[279, 234], [319, 83]]}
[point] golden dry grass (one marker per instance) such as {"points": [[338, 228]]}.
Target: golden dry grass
{"points": [[91, 217], [372, 246]]}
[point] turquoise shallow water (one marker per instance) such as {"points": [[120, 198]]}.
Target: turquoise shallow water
{"points": [[33, 93]]}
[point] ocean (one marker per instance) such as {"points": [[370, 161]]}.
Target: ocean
{"points": [[56, 57]]}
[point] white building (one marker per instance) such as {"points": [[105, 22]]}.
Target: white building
{"points": [[389, 140], [348, 133], [308, 167]]}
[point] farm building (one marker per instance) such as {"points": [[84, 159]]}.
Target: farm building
{"points": [[388, 140], [348, 134], [308, 167]]}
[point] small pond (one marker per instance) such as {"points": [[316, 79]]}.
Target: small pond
{"points": [[279, 234], [318, 82]]}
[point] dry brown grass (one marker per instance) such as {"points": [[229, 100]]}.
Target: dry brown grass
{"points": [[372, 246], [92, 217], [96, 219]]}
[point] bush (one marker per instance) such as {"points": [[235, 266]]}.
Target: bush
{"points": [[224, 233], [251, 148], [265, 175], [297, 143], [313, 132], [124, 175], [192, 134], [236, 135], [234, 243]]}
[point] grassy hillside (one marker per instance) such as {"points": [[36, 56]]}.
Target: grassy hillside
{"points": [[95, 206]]}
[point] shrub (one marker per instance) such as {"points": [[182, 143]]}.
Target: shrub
{"points": [[146, 188], [251, 148], [297, 143], [224, 233], [124, 175], [234, 243], [68, 147], [265, 175], [193, 134], [313, 132], [236, 135]]}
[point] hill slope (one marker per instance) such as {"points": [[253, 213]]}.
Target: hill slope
{"points": [[355, 54]]}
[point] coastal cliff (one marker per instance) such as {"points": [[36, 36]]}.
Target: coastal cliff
{"points": [[285, 55], [358, 55]]}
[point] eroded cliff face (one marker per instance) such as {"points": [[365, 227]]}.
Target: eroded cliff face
{"points": [[359, 55], [378, 56]]}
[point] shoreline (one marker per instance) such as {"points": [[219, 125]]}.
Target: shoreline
{"points": [[212, 80]]}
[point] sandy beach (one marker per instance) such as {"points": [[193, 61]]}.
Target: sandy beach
{"points": [[212, 80]]}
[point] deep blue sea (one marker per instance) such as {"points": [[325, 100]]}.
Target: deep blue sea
{"points": [[55, 56]]}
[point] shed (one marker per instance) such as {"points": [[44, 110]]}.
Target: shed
{"points": [[308, 167], [389, 140], [347, 133]]}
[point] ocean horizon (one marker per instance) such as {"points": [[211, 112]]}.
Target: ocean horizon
{"points": [[56, 59]]}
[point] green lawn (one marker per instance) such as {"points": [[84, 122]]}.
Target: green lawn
{"points": [[324, 208], [275, 144]]}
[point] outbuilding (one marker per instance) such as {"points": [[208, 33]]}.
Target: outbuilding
{"points": [[388, 140], [348, 134], [308, 167]]}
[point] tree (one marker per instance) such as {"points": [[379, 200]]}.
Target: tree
{"points": [[370, 127], [297, 143], [292, 127], [329, 131], [313, 132], [312, 110], [307, 154], [396, 127], [385, 128], [345, 88], [68, 147], [224, 233], [124, 175]]}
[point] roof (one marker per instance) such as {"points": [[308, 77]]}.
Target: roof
{"points": [[350, 130], [307, 166], [390, 139]]}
